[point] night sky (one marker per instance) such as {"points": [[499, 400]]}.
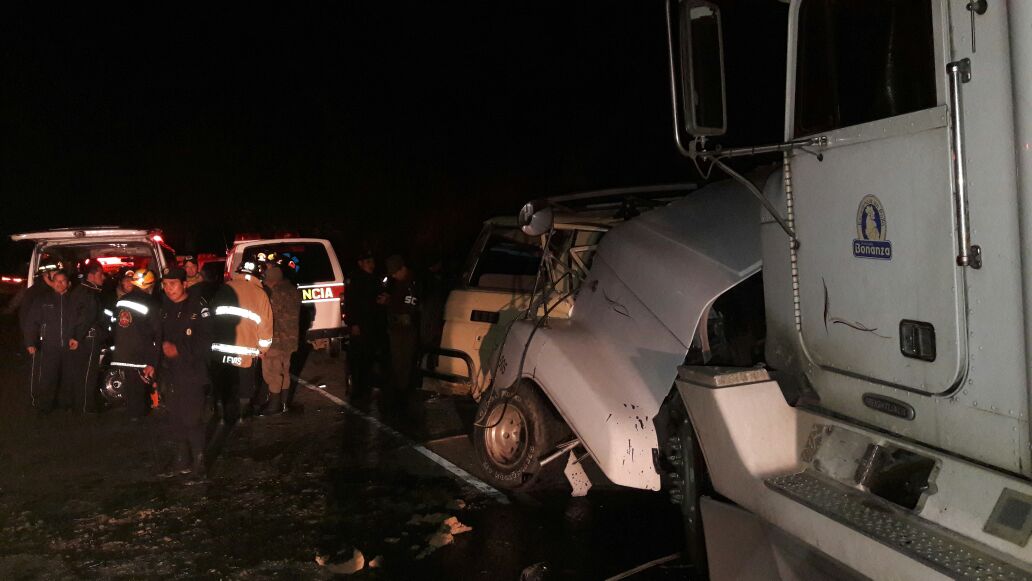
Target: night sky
{"points": [[401, 125]]}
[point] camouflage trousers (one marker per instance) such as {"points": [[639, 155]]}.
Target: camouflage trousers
{"points": [[276, 371]]}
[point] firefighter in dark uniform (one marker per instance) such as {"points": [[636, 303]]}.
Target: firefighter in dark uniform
{"points": [[365, 310], [53, 327], [186, 333], [137, 332], [89, 293], [403, 309]]}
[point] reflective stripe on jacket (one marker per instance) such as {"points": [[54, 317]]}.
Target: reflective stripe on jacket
{"points": [[243, 322]]}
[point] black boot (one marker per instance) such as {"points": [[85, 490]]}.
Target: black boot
{"points": [[275, 405], [200, 468], [246, 411], [179, 459]]}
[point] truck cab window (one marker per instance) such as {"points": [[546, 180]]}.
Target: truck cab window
{"points": [[862, 61], [509, 261]]}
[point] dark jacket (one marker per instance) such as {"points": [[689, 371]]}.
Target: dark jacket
{"points": [[51, 320], [188, 326], [136, 330], [96, 320], [22, 301], [360, 302], [405, 303]]}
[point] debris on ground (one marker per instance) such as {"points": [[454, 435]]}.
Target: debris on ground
{"points": [[428, 519], [456, 504], [454, 527], [535, 572], [353, 565], [440, 539]]}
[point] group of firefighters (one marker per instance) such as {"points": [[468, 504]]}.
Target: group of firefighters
{"points": [[198, 339]]}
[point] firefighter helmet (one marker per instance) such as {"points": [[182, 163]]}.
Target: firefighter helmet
{"points": [[50, 267], [142, 278], [253, 268]]}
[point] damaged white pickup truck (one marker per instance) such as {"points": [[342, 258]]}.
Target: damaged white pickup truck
{"points": [[597, 378]]}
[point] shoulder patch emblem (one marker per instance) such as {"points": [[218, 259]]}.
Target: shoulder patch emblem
{"points": [[125, 318]]}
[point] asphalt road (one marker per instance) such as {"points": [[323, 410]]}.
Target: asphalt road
{"points": [[295, 496]]}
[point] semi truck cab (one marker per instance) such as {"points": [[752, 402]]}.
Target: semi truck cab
{"points": [[824, 357]]}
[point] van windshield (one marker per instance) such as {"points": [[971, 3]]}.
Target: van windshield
{"points": [[304, 262]]}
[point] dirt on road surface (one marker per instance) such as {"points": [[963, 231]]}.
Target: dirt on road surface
{"points": [[316, 493]]}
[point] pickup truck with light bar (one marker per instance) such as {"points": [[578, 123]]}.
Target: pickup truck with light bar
{"points": [[312, 265]]}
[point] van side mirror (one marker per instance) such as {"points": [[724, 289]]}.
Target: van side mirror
{"points": [[696, 69]]}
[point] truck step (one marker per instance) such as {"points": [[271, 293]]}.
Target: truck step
{"points": [[945, 551]]}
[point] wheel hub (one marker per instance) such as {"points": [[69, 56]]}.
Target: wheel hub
{"points": [[505, 441]]}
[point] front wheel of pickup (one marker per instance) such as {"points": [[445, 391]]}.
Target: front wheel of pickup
{"points": [[513, 434]]}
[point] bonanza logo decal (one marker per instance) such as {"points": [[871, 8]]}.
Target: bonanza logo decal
{"points": [[125, 318], [872, 230]]}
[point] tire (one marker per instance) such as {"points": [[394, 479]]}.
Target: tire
{"points": [[514, 435], [684, 476]]}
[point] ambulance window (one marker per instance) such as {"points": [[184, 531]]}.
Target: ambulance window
{"points": [[862, 61], [509, 261], [305, 262]]}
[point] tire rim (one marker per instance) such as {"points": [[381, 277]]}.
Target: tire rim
{"points": [[506, 440]]}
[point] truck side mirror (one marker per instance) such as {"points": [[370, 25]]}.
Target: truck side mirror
{"points": [[696, 69], [536, 218]]}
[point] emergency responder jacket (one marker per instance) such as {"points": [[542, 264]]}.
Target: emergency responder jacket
{"points": [[98, 322], [188, 326], [136, 330], [286, 315], [360, 305], [52, 319], [405, 303], [243, 321]]}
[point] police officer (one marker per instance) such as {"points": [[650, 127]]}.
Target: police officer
{"points": [[52, 328], [403, 309], [89, 292], [243, 331], [185, 348], [137, 333], [286, 314], [366, 314]]}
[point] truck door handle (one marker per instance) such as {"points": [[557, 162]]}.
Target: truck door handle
{"points": [[484, 316]]}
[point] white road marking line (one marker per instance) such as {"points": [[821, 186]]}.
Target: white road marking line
{"points": [[478, 484]]}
